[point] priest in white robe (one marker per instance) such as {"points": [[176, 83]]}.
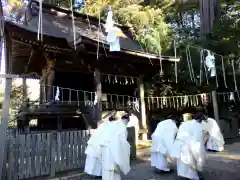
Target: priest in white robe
{"points": [[215, 141], [93, 151], [93, 163], [133, 122], [116, 150], [189, 148], [162, 142]]}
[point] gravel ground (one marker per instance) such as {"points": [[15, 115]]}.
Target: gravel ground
{"points": [[216, 168], [219, 166]]}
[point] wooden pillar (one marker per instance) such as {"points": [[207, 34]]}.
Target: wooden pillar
{"points": [[59, 123], [43, 87], [215, 106], [4, 121], [25, 89], [50, 88], [98, 90], [142, 107], [26, 128]]}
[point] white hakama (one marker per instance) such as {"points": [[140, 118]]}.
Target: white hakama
{"points": [[115, 152], [160, 162], [93, 163], [184, 170], [189, 150], [215, 141], [93, 166], [162, 143]]}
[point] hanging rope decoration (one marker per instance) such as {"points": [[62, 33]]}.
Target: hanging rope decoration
{"points": [[178, 101], [234, 78], [73, 25], [175, 56], [209, 64], [148, 29], [224, 74], [201, 65], [40, 27], [190, 67], [160, 56], [116, 79]]}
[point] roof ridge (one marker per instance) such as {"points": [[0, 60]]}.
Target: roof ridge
{"points": [[77, 14]]}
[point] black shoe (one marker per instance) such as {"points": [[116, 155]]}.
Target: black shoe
{"points": [[200, 175], [161, 171]]}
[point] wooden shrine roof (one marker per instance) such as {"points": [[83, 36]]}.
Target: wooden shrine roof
{"points": [[27, 52], [58, 30]]}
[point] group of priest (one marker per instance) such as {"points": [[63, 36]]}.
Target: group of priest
{"points": [[184, 144], [174, 142]]}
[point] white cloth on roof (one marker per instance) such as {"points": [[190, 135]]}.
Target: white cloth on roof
{"points": [[189, 149], [162, 144], [112, 36], [109, 21], [216, 141]]}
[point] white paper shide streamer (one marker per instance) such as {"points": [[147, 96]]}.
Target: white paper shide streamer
{"points": [[95, 99], [136, 105], [57, 94], [232, 98], [210, 63]]}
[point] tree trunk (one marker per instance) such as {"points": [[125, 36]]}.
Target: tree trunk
{"points": [[209, 14], [193, 19]]}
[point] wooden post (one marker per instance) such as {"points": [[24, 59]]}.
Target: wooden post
{"points": [[98, 90], [25, 93], [50, 88], [142, 107], [215, 106], [43, 86], [4, 121], [59, 123]]}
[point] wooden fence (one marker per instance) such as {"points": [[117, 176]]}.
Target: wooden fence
{"points": [[44, 154]]}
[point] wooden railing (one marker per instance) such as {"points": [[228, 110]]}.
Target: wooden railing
{"points": [[46, 153]]}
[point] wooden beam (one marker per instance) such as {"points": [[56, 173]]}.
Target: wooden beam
{"points": [[25, 89], [142, 107], [4, 121], [43, 88], [8, 46], [129, 53]]}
